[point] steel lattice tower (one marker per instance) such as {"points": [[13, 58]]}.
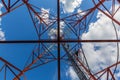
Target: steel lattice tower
{"points": [[65, 46]]}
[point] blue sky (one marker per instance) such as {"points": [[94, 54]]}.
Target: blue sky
{"points": [[17, 25]]}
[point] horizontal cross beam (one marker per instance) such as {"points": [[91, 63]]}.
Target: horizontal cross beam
{"points": [[56, 41]]}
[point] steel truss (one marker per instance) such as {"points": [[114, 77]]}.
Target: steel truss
{"points": [[75, 25]]}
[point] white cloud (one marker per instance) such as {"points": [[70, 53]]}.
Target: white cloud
{"points": [[71, 73], [81, 13], [53, 32], [70, 5], [2, 35], [101, 55], [44, 14]]}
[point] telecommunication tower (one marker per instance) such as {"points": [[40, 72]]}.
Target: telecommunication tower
{"points": [[59, 40]]}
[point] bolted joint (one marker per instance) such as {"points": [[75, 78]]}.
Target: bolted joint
{"points": [[25, 1]]}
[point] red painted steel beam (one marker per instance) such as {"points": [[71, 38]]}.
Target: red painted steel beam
{"points": [[84, 67], [108, 15], [30, 7], [8, 5], [118, 63], [111, 17], [107, 74], [111, 74], [3, 2], [92, 76], [90, 11], [29, 66], [4, 13], [8, 63], [118, 1]]}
